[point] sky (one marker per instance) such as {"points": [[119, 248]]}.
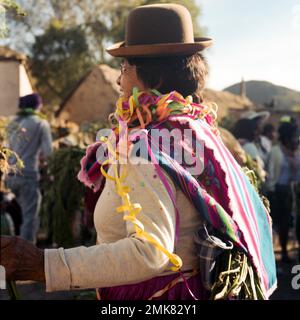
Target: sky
{"points": [[253, 39]]}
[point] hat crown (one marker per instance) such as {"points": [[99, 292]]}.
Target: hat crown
{"points": [[32, 101], [159, 24]]}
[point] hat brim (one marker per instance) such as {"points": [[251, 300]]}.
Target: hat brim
{"points": [[264, 115], [157, 50]]}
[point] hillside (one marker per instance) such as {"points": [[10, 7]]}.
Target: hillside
{"points": [[263, 92], [227, 101]]}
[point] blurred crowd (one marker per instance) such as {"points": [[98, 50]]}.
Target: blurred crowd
{"points": [[271, 151], [275, 151]]}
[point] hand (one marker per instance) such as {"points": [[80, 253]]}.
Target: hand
{"points": [[21, 259]]}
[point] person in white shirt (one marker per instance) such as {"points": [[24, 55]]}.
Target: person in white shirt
{"points": [[283, 170]]}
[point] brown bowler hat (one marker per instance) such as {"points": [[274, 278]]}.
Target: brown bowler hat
{"points": [[159, 30]]}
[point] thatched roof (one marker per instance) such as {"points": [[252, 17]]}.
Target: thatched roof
{"points": [[227, 101], [11, 55], [110, 75], [93, 98]]}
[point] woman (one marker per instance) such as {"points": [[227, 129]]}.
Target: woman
{"points": [[283, 171], [174, 219]]}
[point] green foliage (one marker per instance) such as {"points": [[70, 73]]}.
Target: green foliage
{"points": [[6, 153], [6, 224], [64, 38], [253, 173], [88, 131], [60, 59], [5, 166], [102, 21], [63, 195], [235, 278], [3, 129], [4, 6]]}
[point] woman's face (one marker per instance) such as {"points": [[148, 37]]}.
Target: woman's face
{"points": [[128, 79]]}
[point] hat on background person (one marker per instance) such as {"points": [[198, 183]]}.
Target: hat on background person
{"points": [[159, 30], [30, 101], [288, 119], [251, 115]]}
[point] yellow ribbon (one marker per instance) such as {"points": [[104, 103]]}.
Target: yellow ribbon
{"points": [[133, 209], [137, 111]]}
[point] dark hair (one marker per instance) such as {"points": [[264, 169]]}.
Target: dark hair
{"points": [[183, 74], [268, 128], [287, 131], [245, 129]]}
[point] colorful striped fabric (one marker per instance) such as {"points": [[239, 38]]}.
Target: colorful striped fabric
{"points": [[229, 203], [222, 193]]}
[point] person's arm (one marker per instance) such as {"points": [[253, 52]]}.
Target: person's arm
{"points": [[21, 259], [251, 150], [46, 140], [273, 168], [129, 260]]}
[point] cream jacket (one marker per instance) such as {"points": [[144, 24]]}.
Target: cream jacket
{"points": [[120, 256]]}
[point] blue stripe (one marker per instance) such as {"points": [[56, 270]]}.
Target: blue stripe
{"points": [[266, 244]]}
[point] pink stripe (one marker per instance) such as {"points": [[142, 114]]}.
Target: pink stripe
{"points": [[242, 218], [232, 189], [237, 196], [247, 234], [187, 286]]}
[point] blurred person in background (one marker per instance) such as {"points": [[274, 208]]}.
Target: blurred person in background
{"points": [[30, 138], [268, 137], [248, 132], [283, 170]]}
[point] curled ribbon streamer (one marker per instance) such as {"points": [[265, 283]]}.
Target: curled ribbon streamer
{"points": [[133, 210], [148, 113], [212, 109], [138, 107], [104, 173], [141, 120], [136, 95]]}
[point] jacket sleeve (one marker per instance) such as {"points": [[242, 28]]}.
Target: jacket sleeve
{"points": [[129, 260], [46, 139]]}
